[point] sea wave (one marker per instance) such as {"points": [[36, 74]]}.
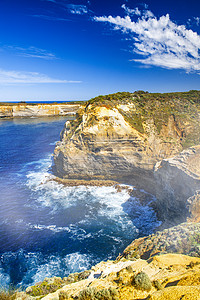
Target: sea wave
{"points": [[35, 266]]}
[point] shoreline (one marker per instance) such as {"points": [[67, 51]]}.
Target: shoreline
{"points": [[24, 110]]}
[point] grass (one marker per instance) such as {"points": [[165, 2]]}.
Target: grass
{"points": [[8, 294], [182, 107]]}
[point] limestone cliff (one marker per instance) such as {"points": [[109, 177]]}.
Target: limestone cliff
{"points": [[122, 136], [37, 110], [177, 180]]}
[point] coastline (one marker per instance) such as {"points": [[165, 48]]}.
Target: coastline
{"points": [[27, 110]]}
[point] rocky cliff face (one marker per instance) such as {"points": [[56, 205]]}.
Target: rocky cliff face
{"points": [[184, 239], [122, 139], [37, 110], [177, 180]]}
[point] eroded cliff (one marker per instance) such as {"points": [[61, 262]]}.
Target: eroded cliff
{"points": [[177, 186], [123, 136], [37, 110]]}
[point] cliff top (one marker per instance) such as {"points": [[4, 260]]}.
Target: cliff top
{"points": [[140, 109]]}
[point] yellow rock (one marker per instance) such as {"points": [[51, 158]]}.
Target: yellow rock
{"points": [[177, 293]]}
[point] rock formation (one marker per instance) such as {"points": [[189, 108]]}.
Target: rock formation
{"points": [[177, 180], [122, 136], [37, 110], [169, 276], [184, 238]]}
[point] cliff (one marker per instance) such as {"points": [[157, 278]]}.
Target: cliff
{"points": [[177, 185], [169, 276], [37, 110], [184, 239], [122, 136]]}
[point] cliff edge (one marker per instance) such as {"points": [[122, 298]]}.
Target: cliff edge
{"points": [[122, 136]]}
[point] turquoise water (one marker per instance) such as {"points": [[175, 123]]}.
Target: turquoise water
{"points": [[47, 229]]}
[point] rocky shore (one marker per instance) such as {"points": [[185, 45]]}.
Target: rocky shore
{"points": [[22, 110], [168, 276]]}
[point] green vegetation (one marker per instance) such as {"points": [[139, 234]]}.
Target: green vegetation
{"points": [[142, 282], [94, 294], [183, 108], [7, 294], [50, 285], [190, 245], [157, 285], [63, 295], [46, 287]]}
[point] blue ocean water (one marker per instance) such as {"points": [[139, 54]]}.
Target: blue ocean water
{"points": [[47, 229]]}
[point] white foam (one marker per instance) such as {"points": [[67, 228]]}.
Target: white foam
{"points": [[53, 228], [4, 279], [74, 262]]}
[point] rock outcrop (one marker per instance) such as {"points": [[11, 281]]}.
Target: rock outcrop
{"points": [[170, 276], [177, 183], [37, 110], [135, 139], [184, 239]]}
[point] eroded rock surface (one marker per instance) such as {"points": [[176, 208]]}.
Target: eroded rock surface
{"points": [[37, 110], [129, 279], [177, 183], [105, 146], [184, 238]]}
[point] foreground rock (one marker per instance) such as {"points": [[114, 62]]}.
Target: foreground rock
{"points": [[37, 110], [170, 276]]}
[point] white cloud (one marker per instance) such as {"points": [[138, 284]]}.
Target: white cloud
{"points": [[160, 41], [77, 9], [129, 11], [31, 52], [197, 19], [18, 77], [144, 13]]}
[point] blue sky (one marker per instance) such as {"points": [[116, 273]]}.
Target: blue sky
{"points": [[76, 50]]}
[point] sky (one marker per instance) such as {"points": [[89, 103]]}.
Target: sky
{"points": [[62, 50]]}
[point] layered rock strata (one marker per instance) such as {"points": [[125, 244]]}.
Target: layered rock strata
{"points": [[177, 184], [105, 146], [37, 110], [137, 139]]}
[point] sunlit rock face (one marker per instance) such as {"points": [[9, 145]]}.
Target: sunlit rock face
{"points": [[105, 146], [137, 139], [177, 180], [37, 110]]}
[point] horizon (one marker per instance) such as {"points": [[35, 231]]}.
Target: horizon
{"points": [[64, 50], [85, 100]]}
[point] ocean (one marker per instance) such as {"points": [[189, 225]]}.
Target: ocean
{"points": [[47, 229]]}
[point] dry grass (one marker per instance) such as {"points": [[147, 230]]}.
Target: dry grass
{"points": [[7, 294]]}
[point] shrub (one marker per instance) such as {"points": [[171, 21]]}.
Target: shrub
{"points": [[157, 285], [63, 295], [7, 294], [103, 294], [142, 281]]}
